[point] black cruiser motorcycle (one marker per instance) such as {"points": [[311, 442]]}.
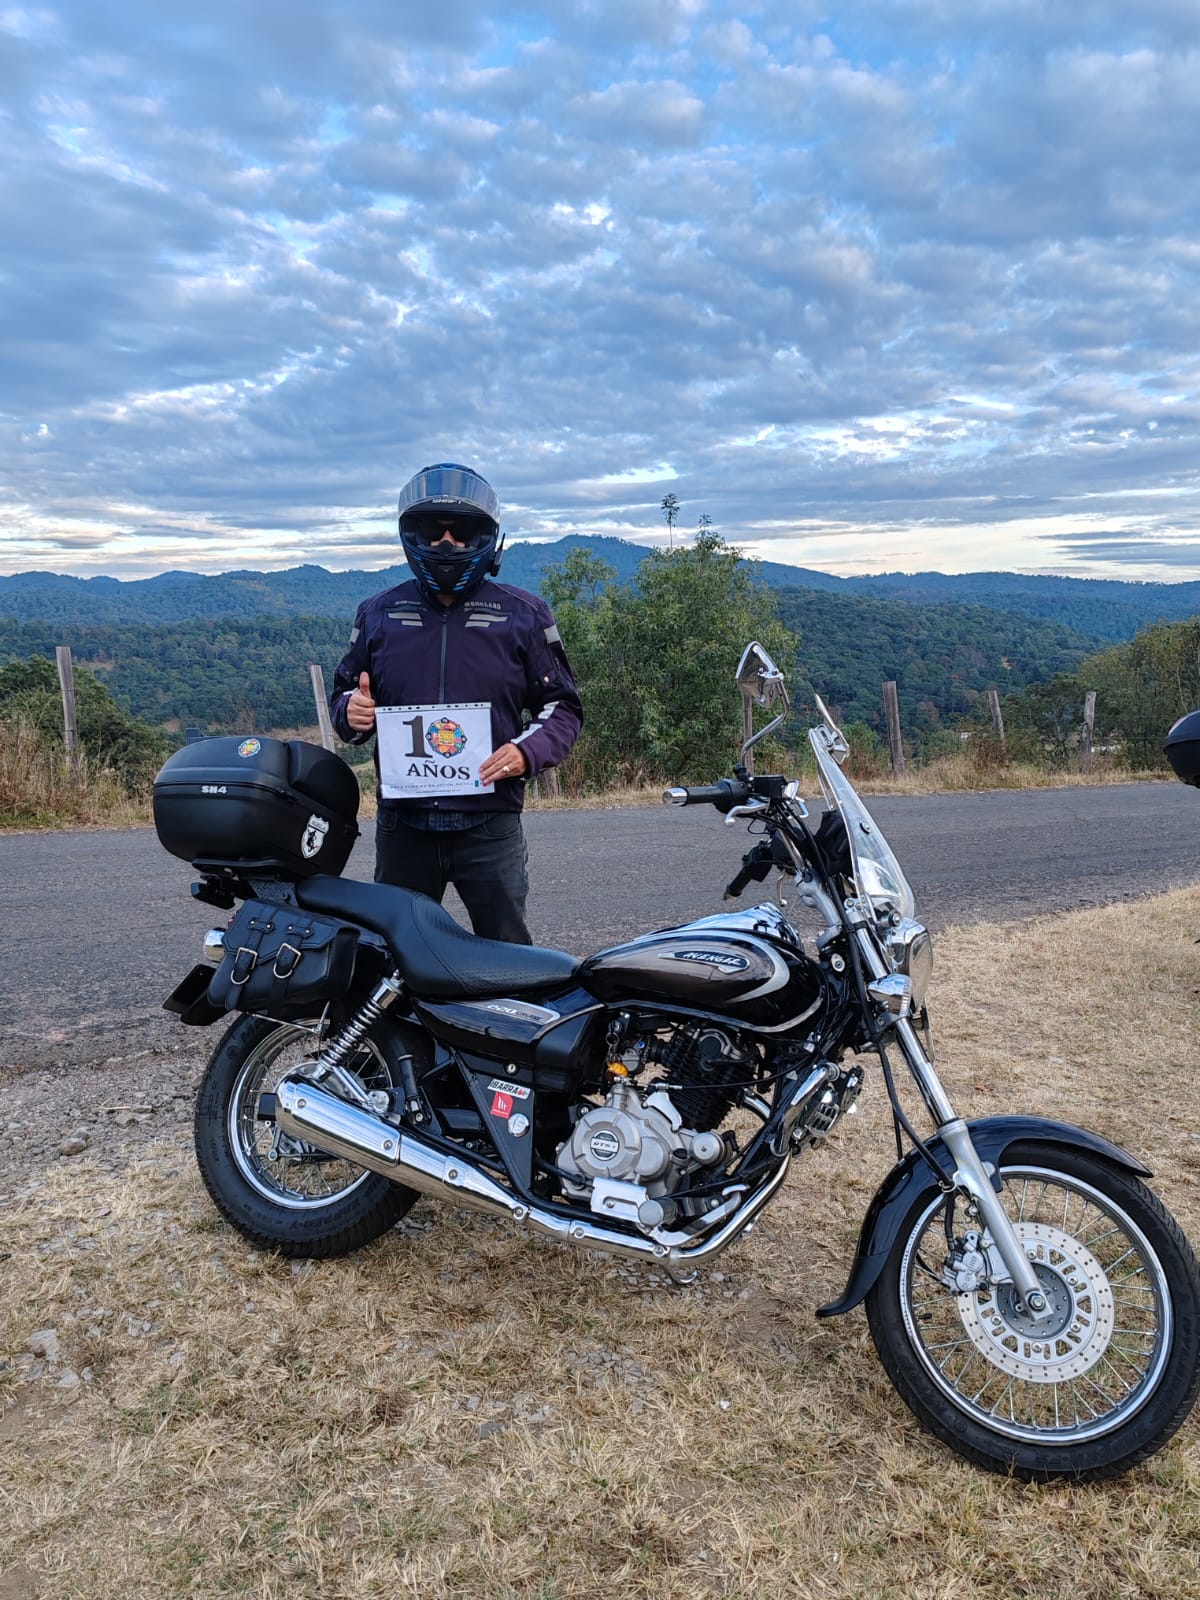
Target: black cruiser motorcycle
{"points": [[1031, 1299]]}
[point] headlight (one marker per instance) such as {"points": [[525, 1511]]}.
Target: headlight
{"points": [[910, 950]]}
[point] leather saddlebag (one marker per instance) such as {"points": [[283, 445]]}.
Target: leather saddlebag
{"points": [[281, 962]]}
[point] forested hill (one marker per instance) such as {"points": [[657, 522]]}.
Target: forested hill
{"points": [[1099, 609], [299, 591], [251, 674], [941, 657]]}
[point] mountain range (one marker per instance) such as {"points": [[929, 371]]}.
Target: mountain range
{"points": [[1099, 610]]}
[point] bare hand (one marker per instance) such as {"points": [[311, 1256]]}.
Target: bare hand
{"points": [[360, 708], [507, 762]]}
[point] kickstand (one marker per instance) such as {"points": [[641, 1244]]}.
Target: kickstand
{"points": [[680, 1279]]}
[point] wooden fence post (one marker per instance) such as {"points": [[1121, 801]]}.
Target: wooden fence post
{"points": [[993, 699], [66, 682], [322, 704], [891, 709], [1088, 734]]}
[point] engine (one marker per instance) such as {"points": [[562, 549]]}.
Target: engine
{"points": [[634, 1141], [630, 1155], [703, 1067]]}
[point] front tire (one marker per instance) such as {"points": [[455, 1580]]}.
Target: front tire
{"points": [[281, 1194], [1090, 1392]]}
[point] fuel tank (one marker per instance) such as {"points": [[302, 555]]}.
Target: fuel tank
{"points": [[745, 965]]}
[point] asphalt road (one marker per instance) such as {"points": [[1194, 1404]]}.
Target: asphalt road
{"points": [[99, 926]]}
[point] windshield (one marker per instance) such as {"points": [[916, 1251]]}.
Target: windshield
{"points": [[877, 873]]}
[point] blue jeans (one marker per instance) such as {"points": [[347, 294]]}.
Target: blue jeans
{"points": [[487, 864]]}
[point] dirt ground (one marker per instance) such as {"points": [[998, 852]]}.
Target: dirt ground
{"points": [[109, 1110]]}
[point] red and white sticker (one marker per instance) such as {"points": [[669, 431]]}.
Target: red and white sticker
{"points": [[504, 1096]]}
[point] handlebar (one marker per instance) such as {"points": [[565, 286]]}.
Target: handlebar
{"points": [[726, 794]]}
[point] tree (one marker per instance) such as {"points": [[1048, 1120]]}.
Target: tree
{"points": [[705, 522], [670, 510], [1141, 689], [656, 662], [110, 738]]}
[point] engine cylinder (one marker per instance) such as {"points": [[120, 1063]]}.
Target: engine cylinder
{"points": [[701, 1068]]}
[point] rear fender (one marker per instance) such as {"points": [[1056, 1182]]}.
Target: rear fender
{"points": [[911, 1181], [189, 999]]}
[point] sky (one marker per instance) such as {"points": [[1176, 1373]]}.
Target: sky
{"points": [[896, 285]]}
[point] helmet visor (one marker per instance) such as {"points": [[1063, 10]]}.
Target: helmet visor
{"points": [[472, 530]]}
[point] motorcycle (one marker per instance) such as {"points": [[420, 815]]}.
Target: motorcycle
{"points": [[1031, 1299]]}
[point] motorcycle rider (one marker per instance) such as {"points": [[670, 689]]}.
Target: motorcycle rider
{"points": [[449, 644]]}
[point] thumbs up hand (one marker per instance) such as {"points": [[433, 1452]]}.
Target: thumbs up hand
{"points": [[360, 708]]}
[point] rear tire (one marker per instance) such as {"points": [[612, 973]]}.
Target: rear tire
{"points": [[281, 1194], [1087, 1394]]}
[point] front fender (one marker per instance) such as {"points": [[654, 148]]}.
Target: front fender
{"points": [[910, 1181]]}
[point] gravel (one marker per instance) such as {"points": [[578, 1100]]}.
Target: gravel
{"points": [[110, 1110]]}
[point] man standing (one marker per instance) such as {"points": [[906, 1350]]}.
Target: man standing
{"points": [[444, 669]]}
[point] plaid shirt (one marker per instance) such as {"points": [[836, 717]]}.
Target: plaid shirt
{"points": [[442, 821]]}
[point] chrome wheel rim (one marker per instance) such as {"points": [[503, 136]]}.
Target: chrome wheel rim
{"points": [[298, 1177], [1082, 1372]]}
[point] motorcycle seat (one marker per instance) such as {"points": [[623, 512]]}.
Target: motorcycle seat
{"points": [[437, 957]]}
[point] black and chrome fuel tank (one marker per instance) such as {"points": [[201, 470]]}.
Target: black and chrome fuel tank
{"points": [[745, 965]]}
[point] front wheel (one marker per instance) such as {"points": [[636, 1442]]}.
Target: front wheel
{"points": [[285, 1195], [1090, 1391]]}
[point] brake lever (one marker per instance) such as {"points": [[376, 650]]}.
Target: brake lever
{"points": [[752, 808]]}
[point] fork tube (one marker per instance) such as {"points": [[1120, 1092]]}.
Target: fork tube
{"points": [[970, 1174], [927, 1080], [919, 1064]]}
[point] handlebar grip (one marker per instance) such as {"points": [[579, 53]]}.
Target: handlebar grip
{"points": [[726, 794], [701, 794]]}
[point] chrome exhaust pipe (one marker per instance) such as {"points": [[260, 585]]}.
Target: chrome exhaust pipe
{"points": [[307, 1112]]}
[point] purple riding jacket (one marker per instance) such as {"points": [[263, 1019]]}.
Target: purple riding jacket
{"points": [[498, 644]]}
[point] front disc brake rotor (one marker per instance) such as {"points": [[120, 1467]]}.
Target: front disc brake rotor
{"points": [[1069, 1341]]}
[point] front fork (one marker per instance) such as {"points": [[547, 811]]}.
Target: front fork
{"points": [[970, 1175]]}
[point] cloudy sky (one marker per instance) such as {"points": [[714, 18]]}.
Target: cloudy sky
{"points": [[898, 284]]}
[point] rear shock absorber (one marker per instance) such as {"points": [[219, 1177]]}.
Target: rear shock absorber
{"points": [[331, 1063]]}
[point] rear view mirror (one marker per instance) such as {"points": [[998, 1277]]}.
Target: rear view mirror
{"points": [[761, 684], [759, 679], [835, 740]]}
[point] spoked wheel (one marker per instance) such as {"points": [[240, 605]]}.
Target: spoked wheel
{"points": [[283, 1194], [1097, 1386]]}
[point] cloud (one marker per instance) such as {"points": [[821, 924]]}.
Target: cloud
{"points": [[911, 268]]}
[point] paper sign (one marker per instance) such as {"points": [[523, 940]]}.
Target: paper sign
{"points": [[431, 751]]}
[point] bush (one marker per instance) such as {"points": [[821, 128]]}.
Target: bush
{"points": [[111, 740], [36, 790]]}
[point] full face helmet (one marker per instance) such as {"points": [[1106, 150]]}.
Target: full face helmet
{"points": [[1183, 748], [449, 496]]}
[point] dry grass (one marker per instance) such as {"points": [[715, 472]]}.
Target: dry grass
{"points": [[459, 1412], [960, 775], [37, 790]]}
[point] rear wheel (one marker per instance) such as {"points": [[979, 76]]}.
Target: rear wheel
{"points": [[1088, 1392], [283, 1194]]}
